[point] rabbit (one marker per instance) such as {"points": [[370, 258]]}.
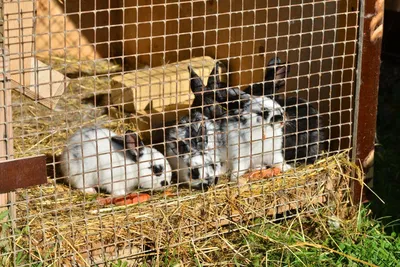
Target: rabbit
{"points": [[274, 79], [188, 151], [254, 137], [234, 98], [303, 138], [302, 135], [205, 101], [97, 157], [190, 145], [238, 141]]}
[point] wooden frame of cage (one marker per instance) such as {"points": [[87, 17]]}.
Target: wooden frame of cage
{"points": [[365, 99]]}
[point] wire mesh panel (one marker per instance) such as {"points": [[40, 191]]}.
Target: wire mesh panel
{"points": [[165, 121]]}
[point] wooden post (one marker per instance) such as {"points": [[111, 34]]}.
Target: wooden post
{"points": [[6, 144], [3, 144], [366, 98]]}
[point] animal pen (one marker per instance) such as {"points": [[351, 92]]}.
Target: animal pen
{"points": [[124, 66]]}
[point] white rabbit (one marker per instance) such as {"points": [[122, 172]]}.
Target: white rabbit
{"points": [[304, 138], [245, 137], [97, 157], [254, 137]]}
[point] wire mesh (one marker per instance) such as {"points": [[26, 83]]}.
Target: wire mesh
{"points": [[109, 80]]}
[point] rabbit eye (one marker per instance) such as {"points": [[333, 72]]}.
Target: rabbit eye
{"points": [[277, 118], [157, 169], [195, 173], [264, 114]]}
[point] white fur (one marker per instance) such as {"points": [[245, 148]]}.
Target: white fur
{"points": [[246, 148], [91, 159], [206, 159]]}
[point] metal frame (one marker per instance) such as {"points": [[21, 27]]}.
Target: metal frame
{"points": [[366, 98], [364, 117]]}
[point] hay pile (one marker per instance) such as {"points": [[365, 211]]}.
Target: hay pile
{"points": [[75, 228], [39, 130]]}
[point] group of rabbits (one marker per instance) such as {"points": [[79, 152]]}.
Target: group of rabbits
{"points": [[227, 132]]}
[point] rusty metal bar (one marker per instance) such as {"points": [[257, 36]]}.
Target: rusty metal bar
{"points": [[366, 100]]}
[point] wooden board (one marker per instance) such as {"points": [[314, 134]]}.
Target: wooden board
{"points": [[161, 87], [70, 28], [29, 75]]}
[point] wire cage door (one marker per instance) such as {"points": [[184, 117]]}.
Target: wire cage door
{"points": [[116, 92]]}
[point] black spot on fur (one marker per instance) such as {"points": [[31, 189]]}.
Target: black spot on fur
{"points": [[164, 183], [265, 114], [303, 136], [136, 153], [212, 166], [243, 119], [75, 154], [183, 148], [216, 180], [234, 119], [202, 186], [157, 169], [277, 118], [195, 173]]}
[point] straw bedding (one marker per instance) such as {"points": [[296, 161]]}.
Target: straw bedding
{"points": [[63, 226]]}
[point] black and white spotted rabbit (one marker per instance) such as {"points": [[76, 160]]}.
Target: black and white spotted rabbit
{"points": [[96, 157], [303, 137], [190, 145], [248, 137]]}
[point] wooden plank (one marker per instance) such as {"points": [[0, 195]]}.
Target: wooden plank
{"points": [[161, 86], [22, 173], [29, 75], [69, 28], [6, 143]]}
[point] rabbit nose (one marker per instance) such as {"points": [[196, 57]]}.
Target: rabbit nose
{"points": [[157, 169]]}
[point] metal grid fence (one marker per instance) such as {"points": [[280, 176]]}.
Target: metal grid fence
{"points": [[109, 80]]}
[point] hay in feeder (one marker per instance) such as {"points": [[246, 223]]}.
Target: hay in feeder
{"points": [[71, 224]]}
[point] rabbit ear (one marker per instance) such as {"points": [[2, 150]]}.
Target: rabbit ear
{"points": [[280, 74], [183, 148], [213, 80], [276, 71], [131, 142], [196, 84]]}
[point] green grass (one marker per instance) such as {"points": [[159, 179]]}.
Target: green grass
{"points": [[353, 238], [307, 240]]}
